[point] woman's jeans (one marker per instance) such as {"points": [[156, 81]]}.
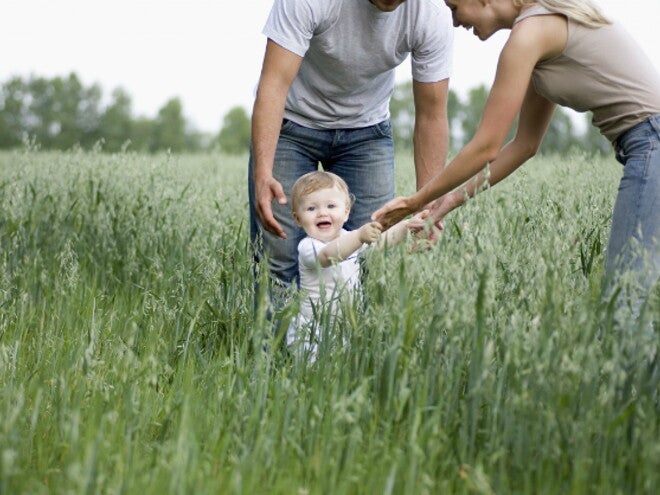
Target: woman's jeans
{"points": [[363, 157], [632, 260]]}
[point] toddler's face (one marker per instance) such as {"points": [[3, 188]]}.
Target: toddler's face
{"points": [[323, 213]]}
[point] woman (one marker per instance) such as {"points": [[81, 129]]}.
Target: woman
{"points": [[561, 52]]}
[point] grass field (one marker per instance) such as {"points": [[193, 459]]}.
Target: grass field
{"points": [[132, 361]]}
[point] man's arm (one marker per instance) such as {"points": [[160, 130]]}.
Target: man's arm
{"points": [[279, 69], [431, 135]]}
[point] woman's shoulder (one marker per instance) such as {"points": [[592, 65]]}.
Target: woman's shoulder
{"points": [[534, 10], [541, 34]]}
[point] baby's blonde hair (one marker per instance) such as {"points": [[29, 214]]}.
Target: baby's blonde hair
{"points": [[314, 181], [581, 11]]}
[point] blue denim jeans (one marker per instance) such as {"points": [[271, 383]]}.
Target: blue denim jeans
{"points": [[363, 157], [634, 244]]}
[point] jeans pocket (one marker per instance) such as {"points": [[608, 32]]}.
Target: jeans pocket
{"points": [[655, 124], [636, 148], [635, 164], [287, 125], [383, 129]]}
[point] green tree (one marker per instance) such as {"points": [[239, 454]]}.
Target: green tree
{"points": [[593, 140], [83, 103], [142, 134], [470, 114], [170, 128], [62, 112], [116, 123], [402, 114], [454, 107], [560, 136], [13, 112], [196, 141], [41, 121], [234, 137]]}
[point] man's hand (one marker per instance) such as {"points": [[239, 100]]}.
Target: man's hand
{"points": [[370, 232], [426, 232], [439, 208], [419, 222], [265, 191]]}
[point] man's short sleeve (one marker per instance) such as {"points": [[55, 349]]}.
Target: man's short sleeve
{"points": [[432, 55], [291, 25]]}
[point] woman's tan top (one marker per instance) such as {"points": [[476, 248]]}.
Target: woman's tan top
{"points": [[601, 70]]}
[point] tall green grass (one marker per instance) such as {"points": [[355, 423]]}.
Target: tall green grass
{"points": [[132, 359]]}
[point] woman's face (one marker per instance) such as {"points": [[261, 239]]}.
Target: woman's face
{"points": [[475, 15]]}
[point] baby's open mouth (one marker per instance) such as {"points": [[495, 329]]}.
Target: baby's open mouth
{"points": [[323, 225]]}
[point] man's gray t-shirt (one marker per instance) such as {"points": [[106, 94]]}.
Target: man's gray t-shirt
{"points": [[350, 49]]}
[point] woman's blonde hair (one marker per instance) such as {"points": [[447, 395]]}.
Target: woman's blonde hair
{"points": [[581, 11], [314, 181]]}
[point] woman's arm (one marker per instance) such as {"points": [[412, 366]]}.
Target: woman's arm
{"points": [[535, 116], [534, 39]]}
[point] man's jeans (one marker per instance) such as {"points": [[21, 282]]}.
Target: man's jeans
{"points": [[363, 157]]}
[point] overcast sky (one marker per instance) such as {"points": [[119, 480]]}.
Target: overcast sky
{"points": [[207, 52]]}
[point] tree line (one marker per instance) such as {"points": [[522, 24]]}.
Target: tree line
{"points": [[465, 114], [62, 113]]}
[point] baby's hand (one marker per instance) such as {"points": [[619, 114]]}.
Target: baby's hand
{"points": [[370, 232]]}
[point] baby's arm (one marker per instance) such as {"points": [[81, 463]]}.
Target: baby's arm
{"points": [[345, 245], [398, 232]]}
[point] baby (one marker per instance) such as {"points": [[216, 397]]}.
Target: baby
{"points": [[328, 256]]}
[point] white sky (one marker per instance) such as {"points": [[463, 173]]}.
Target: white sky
{"points": [[207, 52]]}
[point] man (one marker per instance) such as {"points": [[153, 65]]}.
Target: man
{"points": [[323, 97]]}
